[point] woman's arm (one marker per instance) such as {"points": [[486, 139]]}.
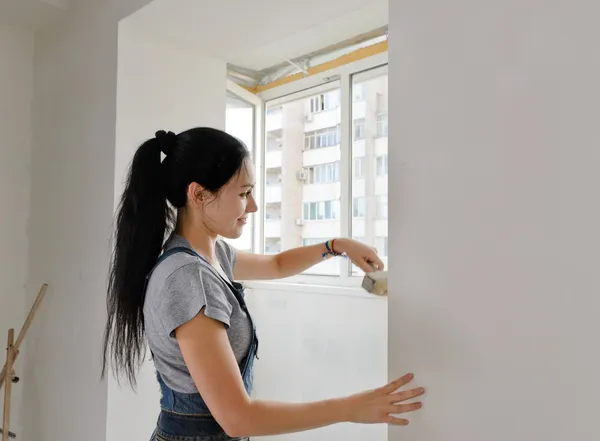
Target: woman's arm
{"points": [[212, 365], [288, 263]]}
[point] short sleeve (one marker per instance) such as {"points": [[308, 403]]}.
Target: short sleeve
{"points": [[187, 291]]}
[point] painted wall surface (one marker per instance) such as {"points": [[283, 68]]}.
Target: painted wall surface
{"points": [[494, 215], [315, 346], [160, 86], [16, 94], [72, 193]]}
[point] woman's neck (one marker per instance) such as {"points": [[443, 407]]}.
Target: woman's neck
{"points": [[200, 239]]}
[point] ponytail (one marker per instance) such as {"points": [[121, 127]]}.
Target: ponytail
{"points": [[141, 225], [207, 156]]}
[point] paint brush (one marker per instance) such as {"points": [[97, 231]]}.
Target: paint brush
{"points": [[376, 282]]}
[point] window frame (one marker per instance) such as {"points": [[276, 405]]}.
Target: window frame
{"points": [[257, 152], [341, 77]]}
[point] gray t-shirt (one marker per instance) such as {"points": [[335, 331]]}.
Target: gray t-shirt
{"points": [[178, 289]]}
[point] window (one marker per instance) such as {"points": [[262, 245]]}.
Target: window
{"points": [[239, 122], [308, 162], [382, 246], [358, 207], [359, 129], [382, 165], [328, 137], [315, 241], [272, 246], [357, 169], [382, 125], [309, 196], [324, 173], [382, 207], [325, 210], [369, 188], [358, 92], [324, 101]]}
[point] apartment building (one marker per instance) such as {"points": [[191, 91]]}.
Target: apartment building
{"points": [[303, 170]]}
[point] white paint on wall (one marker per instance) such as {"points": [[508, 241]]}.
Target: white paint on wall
{"points": [[316, 346], [160, 86], [494, 215], [16, 94], [72, 194]]}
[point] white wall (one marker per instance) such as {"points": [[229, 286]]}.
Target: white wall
{"points": [[71, 214], [494, 113], [316, 345], [160, 86], [16, 94]]}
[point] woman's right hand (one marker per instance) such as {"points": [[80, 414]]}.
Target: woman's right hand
{"points": [[378, 406]]}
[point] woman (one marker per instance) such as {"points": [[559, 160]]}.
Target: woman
{"points": [[180, 295]]}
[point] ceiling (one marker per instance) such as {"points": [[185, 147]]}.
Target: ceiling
{"points": [[259, 35]]}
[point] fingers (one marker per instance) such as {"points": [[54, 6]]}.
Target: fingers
{"points": [[395, 421], [404, 408], [376, 262], [366, 265], [397, 384], [398, 397]]}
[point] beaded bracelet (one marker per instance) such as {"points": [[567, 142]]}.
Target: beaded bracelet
{"points": [[331, 250]]}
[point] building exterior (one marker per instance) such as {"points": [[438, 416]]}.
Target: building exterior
{"points": [[302, 165]]}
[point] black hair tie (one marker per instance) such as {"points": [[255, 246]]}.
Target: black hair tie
{"points": [[166, 141]]}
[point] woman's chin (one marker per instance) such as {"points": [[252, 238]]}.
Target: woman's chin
{"points": [[233, 233]]}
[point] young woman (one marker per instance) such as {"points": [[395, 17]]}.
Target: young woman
{"points": [[179, 296]]}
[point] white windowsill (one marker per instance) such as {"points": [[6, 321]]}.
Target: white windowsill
{"points": [[346, 291]]}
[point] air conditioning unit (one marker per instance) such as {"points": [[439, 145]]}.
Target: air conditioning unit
{"points": [[302, 176], [299, 222]]}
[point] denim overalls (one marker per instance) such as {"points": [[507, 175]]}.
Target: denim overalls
{"points": [[185, 416]]}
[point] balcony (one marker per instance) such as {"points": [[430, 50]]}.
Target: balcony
{"points": [[320, 229], [272, 228], [321, 192], [322, 120], [323, 155], [273, 193], [274, 121], [359, 109], [381, 146], [273, 159]]}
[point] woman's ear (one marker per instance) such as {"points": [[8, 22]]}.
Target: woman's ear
{"points": [[196, 194]]}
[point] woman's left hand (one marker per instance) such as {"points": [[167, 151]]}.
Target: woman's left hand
{"points": [[363, 256]]}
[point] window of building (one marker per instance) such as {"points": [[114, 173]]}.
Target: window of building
{"points": [[369, 189], [328, 137], [358, 168], [312, 156], [359, 129], [324, 173], [324, 210], [314, 241], [382, 246], [382, 125], [358, 92], [324, 101], [272, 246], [358, 207], [382, 207], [381, 165]]}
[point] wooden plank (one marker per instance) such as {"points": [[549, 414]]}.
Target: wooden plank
{"points": [[8, 384], [23, 331]]}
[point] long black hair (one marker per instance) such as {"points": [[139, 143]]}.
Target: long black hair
{"points": [[146, 217]]}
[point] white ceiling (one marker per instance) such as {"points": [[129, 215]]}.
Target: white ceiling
{"points": [[260, 34]]}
